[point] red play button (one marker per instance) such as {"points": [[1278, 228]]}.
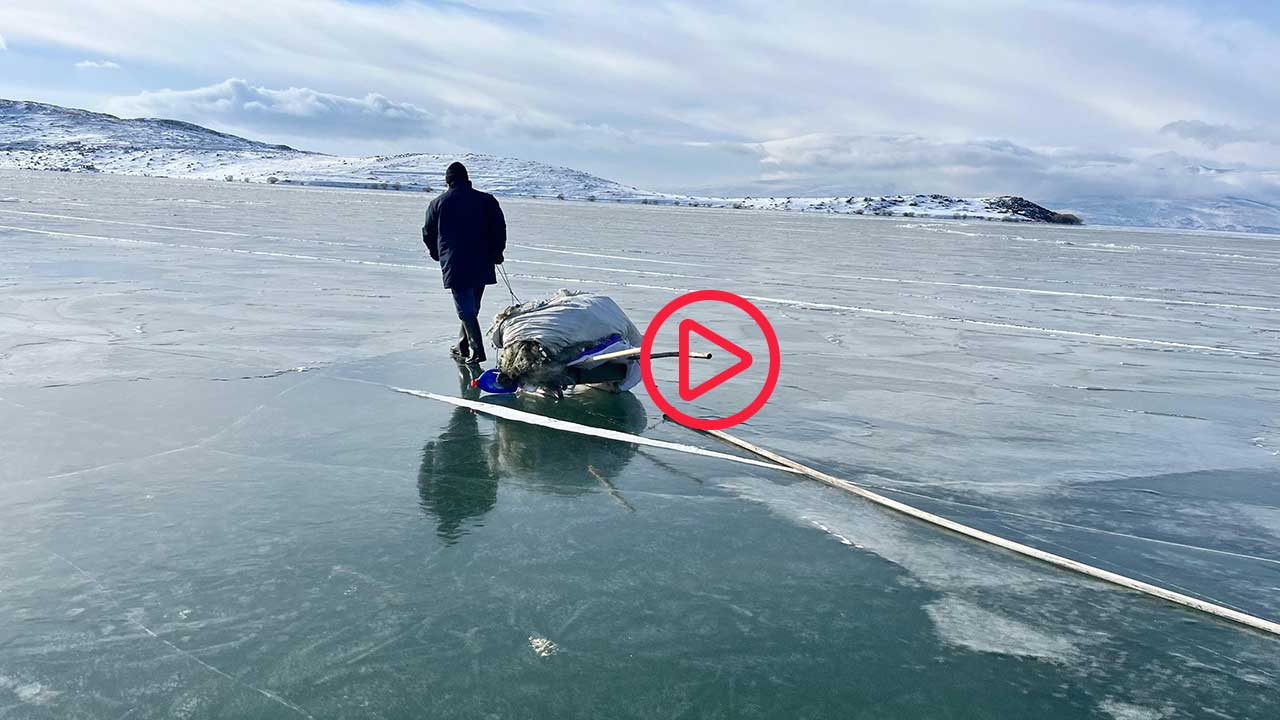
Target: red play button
{"points": [[687, 328], [687, 390]]}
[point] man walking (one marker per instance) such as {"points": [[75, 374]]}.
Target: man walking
{"points": [[466, 232]]}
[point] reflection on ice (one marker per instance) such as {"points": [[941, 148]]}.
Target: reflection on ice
{"points": [[462, 467], [457, 480], [547, 459]]}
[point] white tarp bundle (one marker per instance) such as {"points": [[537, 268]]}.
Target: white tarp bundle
{"points": [[566, 319], [537, 340]]}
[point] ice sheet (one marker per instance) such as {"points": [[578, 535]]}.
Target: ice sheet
{"points": [[214, 507]]}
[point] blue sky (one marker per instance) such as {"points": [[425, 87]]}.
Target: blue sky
{"points": [[1052, 99]]}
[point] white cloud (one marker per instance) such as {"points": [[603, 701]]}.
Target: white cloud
{"points": [[301, 114], [658, 92], [1215, 136], [297, 111], [832, 164], [97, 65], [3, 45]]}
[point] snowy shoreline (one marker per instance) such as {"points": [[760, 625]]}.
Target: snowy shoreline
{"points": [[505, 177], [38, 136]]}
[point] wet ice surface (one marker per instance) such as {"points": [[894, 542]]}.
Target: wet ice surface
{"points": [[213, 505]]}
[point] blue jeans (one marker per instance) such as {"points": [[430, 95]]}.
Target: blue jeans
{"points": [[467, 301], [470, 339]]}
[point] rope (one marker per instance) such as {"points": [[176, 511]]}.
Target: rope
{"points": [[507, 280], [1225, 613]]}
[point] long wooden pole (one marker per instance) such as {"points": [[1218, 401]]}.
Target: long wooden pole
{"points": [[510, 413], [1225, 613], [635, 352]]}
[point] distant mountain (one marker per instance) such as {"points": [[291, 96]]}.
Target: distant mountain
{"points": [[1228, 214], [1004, 207], [37, 136], [36, 127]]}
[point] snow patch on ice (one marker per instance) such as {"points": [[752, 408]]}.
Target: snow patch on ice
{"points": [[940, 229], [31, 693], [843, 540], [542, 647], [1126, 711], [966, 625], [966, 579], [1269, 444]]}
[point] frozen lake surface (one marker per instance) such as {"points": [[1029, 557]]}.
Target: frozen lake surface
{"points": [[213, 505]]}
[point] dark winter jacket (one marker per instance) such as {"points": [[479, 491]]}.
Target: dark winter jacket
{"points": [[466, 232]]}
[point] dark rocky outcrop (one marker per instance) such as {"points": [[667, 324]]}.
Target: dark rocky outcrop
{"points": [[1024, 208]]}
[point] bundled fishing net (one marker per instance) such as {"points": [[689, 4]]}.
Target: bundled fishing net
{"points": [[536, 340]]}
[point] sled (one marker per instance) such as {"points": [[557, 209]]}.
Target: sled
{"points": [[613, 365]]}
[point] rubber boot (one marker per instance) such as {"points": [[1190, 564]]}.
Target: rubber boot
{"points": [[460, 351], [474, 341]]}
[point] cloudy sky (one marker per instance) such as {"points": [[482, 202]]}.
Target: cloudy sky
{"points": [[1052, 99]]}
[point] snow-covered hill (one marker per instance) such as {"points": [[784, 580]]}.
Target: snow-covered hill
{"points": [[33, 127], [1004, 207], [38, 136], [1227, 214]]}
